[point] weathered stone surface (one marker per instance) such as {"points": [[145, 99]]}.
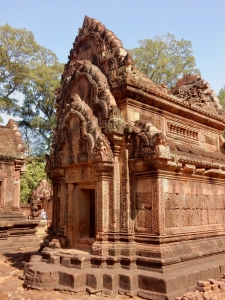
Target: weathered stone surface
{"points": [[138, 174], [15, 230], [41, 199]]}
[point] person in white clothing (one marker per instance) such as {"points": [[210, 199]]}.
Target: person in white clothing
{"points": [[43, 215]]}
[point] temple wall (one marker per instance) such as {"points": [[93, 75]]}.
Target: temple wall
{"points": [[192, 206], [177, 206], [175, 126], [142, 196], [10, 185], [132, 114]]}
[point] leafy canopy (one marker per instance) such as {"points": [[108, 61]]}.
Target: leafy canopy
{"points": [[164, 59], [33, 71], [221, 96], [17, 50], [35, 173]]}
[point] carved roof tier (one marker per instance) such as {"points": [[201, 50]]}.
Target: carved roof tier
{"points": [[11, 143], [192, 97]]}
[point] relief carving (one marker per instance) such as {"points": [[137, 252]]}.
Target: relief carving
{"points": [[123, 192], [155, 207], [102, 150], [196, 92], [148, 142]]}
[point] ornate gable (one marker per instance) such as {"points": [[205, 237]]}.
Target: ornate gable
{"points": [[103, 49], [87, 81], [196, 92], [78, 137]]}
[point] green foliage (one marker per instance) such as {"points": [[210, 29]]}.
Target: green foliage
{"points": [[34, 71], [17, 49], [38, 108], [164, 59], [35, 173], [221, 96]]}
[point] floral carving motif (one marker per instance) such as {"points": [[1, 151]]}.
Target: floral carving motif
{"points": [[147, 141], [155, 207]]}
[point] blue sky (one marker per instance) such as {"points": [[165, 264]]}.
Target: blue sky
{"points": [[55, 24]]}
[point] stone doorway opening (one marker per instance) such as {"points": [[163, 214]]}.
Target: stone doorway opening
{"points": [[1, 202], [86, 217], [87, 213]]}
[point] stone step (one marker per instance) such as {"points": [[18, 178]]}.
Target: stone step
{"points": [[49, 276], [165, 285]]}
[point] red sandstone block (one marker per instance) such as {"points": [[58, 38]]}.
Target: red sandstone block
{"points": [[128, 283], [203, 288], [110, 281], [214, 287], [94, 281], [212, 281], [66, 262], [55, 260], [74, 281], [203, 283]]}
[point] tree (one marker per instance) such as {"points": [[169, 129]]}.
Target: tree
{"points": [[34, 71], [221, 96], [17, 49], [35, 173], [37, 111], [164, 59]]}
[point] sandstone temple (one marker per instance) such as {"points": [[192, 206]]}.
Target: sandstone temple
{"points": [[138, 175], [15, 230], [41, 198]]}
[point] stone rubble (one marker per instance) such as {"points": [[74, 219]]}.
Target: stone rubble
{"points": [[210, 289]]}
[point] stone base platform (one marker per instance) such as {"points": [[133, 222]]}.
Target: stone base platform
{"points": [[16, 231], [15, 242], [75, 270]]}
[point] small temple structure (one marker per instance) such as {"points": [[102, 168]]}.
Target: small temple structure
{"points": [[41, 198], [15, 230], [138, 175]]}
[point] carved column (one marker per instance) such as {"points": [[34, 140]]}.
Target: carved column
{"points": [[63, 200], [158, 207], [54, 204], [116, 189], [70, 216], [102, 202], [16, 201], [125, 193], [18, 165], [104, 173]]}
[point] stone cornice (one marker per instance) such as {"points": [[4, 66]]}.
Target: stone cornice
{"points": [[165, 103]]}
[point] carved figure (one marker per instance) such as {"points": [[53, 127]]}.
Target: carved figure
{"points": [[100, 151]]}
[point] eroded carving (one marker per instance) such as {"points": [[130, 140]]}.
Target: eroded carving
{"points": [[147, 141], [197, 92]]}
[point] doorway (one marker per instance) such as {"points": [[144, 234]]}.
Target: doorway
{"points": [[87, 213]]}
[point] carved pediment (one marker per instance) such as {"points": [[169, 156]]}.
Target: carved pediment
{"points": [[88, 82], [196, 92], [103, 49], [78, 137]]}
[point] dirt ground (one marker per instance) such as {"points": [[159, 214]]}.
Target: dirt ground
{"points": [[11, 283]]}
